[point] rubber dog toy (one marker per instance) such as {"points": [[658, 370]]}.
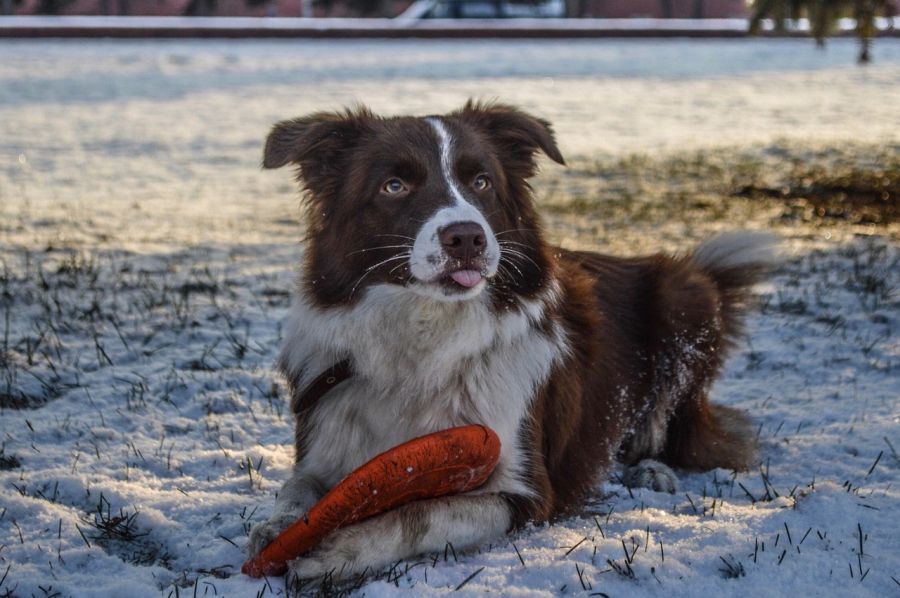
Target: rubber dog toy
{"points": [[447, 462]]}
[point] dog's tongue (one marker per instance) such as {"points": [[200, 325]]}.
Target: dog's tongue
{"points": [[466, 278]]}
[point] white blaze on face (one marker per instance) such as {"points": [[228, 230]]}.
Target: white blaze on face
{"points": [[428, 260]]}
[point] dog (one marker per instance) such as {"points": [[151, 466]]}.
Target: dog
{"points": [[427, 298]]}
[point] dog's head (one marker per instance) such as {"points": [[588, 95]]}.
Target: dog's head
{"points": [[439, 205]]}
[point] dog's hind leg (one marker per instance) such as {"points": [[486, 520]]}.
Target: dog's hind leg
{"points": [[698, 436], [698, 302], [640, 451], [703, 436]]}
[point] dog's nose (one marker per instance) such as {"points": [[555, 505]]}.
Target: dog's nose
{"points": [[463, 240]]}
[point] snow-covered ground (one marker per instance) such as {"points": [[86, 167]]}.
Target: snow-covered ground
{"points": [[145, 266]]}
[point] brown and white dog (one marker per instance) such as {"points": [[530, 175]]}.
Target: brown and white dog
{"points": [[426, 271]]}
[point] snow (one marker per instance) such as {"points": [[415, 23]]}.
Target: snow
{"points": [[145, 264]]}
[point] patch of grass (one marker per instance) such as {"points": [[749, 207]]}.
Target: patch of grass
{"points": [[692, 194], [732, 568], [8, 461], [854, 193], [870, 276], [120, 535], [127, 307]]}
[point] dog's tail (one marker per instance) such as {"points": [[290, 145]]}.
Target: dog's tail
{"points": [[736, 261], [703, 435]]}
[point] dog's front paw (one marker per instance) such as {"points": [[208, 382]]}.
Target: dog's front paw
{"points": [[262, 535], [652, 475], [352, 550], [338, 556]]}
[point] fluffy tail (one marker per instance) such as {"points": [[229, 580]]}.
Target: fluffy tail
{"points": [[736, 261]]}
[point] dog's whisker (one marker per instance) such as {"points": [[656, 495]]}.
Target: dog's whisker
{"points": [[511, 255], [509, 248], [390, 259], [513, 264], [370, 269], [505, 243], [513, 230], [398, 236], [394, 269], [377, 248], [519, 254], [503, 274]]}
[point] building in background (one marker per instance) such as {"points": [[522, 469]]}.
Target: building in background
{"points": [[220, 8], [664, 9], [389, 8]]}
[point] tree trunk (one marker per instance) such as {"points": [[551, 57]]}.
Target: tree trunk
{"points": [[865, 28], [204, 8], [865, 43], [699, 9], [576, 9], [666, 6]]}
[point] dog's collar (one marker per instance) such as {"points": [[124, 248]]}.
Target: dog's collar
{"points": [[319, 387]]}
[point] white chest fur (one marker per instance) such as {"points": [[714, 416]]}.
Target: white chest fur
{"points": [[420, 366]]}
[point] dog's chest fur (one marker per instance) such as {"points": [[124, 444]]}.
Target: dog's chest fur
{"points": [[420, 366]]}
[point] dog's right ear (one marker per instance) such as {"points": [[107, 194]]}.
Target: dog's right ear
{"points": [[315, 143]]}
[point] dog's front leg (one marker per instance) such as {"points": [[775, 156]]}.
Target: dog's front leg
{"points": [[416, 528], [299, 493]]}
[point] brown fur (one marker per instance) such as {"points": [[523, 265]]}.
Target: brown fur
{"points": [[648, 333]]}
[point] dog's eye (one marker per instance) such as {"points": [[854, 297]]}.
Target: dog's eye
{"points": [[394, 187], [481, 182]]}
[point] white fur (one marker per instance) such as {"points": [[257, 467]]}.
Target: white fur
{"points": [[428, 260], [420, 366], [738, 249]]}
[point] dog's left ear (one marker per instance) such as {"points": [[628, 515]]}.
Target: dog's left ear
{"points": [[517, 135], [318, 144]]}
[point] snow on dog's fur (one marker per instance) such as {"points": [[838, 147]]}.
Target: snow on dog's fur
{"points": [[426, 269]]}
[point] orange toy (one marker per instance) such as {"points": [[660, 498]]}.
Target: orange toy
{"points": [[447, 462]]}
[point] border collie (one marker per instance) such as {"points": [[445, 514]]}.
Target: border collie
{"points": [[427, 298]]}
